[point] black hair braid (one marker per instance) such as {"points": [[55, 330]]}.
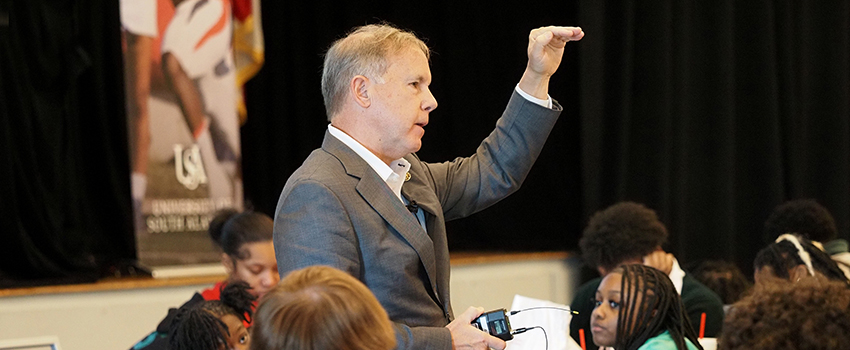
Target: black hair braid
{"points": [[235, 295], [197, 329], [823, 263], [649, 306], [783, 256], [200, 327]]}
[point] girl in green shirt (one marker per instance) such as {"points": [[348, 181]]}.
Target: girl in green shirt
{"points": [[638, 308]]}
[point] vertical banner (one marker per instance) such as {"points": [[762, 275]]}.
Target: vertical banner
{"points": [[183, 117]]}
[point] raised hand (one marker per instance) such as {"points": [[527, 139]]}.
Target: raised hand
{"points": [[545, 51], [546, 47]]}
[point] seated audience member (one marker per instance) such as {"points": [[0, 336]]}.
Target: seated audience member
{"points": [[247, 250], [811, 220], [321, 308], [793, 257], [637, 307], [630, 233], [214, 324], [247, 255], [810, 314], [723, 278]]}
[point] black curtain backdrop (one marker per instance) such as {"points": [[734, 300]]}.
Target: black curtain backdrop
{"points": [[709, 113], [65, 213], [715, 112]]}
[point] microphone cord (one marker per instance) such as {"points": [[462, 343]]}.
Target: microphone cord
{"points": [[545, 307], [526, 329]]}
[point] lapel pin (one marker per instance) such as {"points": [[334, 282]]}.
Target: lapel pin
{"points": [[406, 177]]}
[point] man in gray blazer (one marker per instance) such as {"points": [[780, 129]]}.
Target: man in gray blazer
{"points": [[366, 204]]}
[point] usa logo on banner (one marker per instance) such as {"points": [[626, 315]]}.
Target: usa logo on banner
{"points": [[185, 63]]}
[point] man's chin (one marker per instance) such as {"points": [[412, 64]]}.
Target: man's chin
{"points": [[415, 146]]}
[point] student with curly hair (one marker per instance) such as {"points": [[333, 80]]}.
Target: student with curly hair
{"points": [[214, 324], [793, 257], [630, 233], [724, 278], [637, 308], [245, 240], [320, 308], [813, 221], [809, 314]]}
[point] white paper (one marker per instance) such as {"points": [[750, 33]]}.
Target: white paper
{"points": [[555, 322]]}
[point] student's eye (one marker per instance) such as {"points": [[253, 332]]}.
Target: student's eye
{"points": [[415, 84], [614, 304], [595, 302], [244, 339]]}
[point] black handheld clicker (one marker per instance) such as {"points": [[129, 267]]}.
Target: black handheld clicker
{"points": [[496, 323]]}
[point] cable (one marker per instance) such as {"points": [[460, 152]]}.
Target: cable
{"points": [[526, 329], [545, 307]]}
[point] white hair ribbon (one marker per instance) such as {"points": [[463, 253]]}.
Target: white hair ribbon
{"points": [[804, 255]]}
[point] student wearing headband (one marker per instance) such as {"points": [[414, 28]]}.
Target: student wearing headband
{"points": [[793, 257]]}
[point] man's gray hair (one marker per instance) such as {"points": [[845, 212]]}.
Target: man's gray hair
{"points": [[363, 51]]}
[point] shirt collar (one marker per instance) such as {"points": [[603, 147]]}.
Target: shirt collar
{"points": [[383, 170], [677, 276]]}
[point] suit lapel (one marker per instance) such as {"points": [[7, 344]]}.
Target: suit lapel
{"points": [[379, 196]]}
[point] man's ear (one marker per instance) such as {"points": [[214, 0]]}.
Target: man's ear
{"points": [[798, 272], [228, 263], [359, 89]]}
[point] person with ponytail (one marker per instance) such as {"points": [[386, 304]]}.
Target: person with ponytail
{"points": [[245, 240], [793, 257], [215, 324], [638, 308]]}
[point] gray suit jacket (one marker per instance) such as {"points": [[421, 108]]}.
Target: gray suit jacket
{"points": [[335, 210]]}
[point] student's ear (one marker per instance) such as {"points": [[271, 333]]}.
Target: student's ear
{"points": [[359, 89], [228, 263], [798, 272]]}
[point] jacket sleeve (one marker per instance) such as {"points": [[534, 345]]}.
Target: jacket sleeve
{"points": [[501, 163], [425, 338]]}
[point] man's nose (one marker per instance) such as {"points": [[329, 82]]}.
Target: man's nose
{"points": [[429, 104]]}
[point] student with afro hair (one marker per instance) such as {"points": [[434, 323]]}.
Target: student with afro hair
{"points": [[809, 314], [630, 233]]}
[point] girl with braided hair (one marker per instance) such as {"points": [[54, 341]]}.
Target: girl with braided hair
{"points": [[247, 254], [793, 257], [637, 307], [214, 324]]}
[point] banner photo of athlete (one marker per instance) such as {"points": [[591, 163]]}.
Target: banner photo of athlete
{"points": [[183, 122]]}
